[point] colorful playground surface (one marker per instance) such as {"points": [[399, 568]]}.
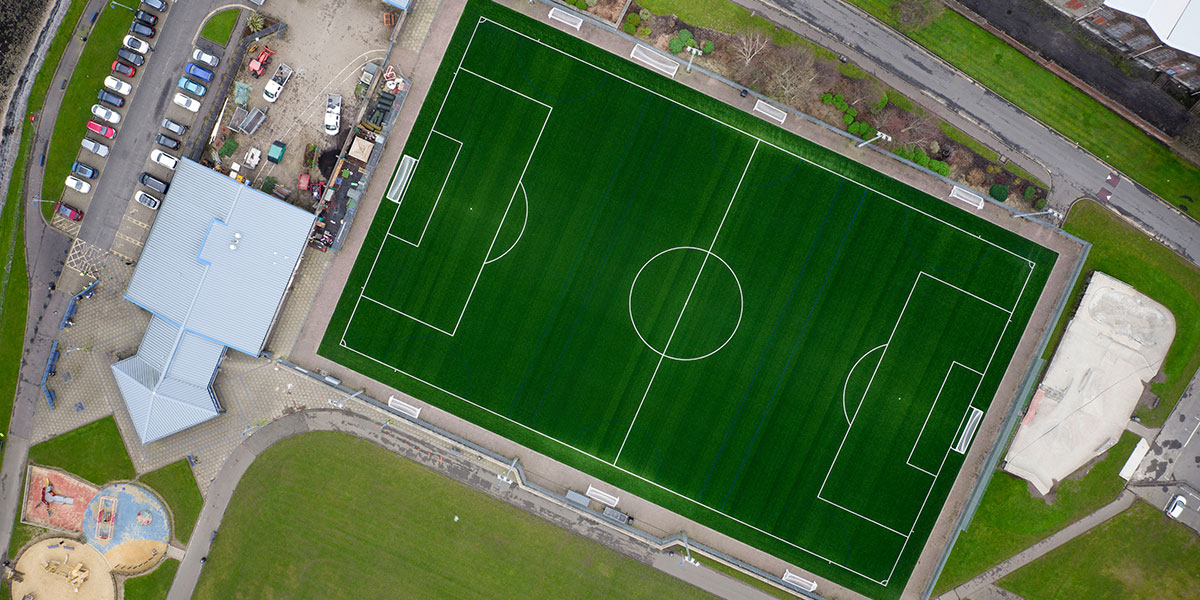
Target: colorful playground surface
{"points": [[56, 499], [128, 524]]}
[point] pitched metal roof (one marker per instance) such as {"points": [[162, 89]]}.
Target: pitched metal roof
{"points": [[1175, 22], [213, 273]]}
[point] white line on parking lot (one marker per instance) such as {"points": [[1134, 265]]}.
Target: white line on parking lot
{"points": [[1193, 432]]}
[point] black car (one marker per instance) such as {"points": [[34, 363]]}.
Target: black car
{"points": [[146, 18], [166, 141], [141, 29], [154, 183], [83, 170], [110, 99], [131, 57], [173, 127], [158, 5]]}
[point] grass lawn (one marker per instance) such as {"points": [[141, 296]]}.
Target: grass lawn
{"points": [[685, 295], [177, 486], [153, 585], [1047, 97], [737, 574], [95, 63], [355, 521], [1140, 554], [1009, 519], [1129, 255], [94, 452], [723, 15], [220, 26]]}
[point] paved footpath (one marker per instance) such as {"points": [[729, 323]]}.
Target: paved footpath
{"points": [[973, 588]]}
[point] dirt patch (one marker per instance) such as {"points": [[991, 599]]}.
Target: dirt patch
{"points": [[1041, 27], [136, 556]]}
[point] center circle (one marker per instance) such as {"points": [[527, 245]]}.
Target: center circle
{"points": [[674, 310]]}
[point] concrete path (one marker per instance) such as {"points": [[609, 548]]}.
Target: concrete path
{"points": [[901, 63], [459, 467], [973, 588]]}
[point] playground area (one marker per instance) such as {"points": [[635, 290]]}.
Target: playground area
{"points": [[60, 567], [128, 524], [56, 500]]}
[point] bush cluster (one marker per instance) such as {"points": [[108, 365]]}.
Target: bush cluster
{"points": [[939, 167], [581, 5], [268, 185], [862, 129], [999, 192], [1029, 192], [633, 19], [630, 28]]}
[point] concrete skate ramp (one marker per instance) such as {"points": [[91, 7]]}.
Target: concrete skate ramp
{"points": [[1113, 346]]}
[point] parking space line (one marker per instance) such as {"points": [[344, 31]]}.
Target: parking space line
{"points": [[129, 239]]}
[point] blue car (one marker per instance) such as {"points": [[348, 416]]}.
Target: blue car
{"points": [[199, 72], [191, 87]]}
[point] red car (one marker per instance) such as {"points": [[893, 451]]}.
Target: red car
{"points": [[104, 130], [124, 69], [68, 211]]}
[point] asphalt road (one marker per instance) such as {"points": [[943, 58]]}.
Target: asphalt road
{"points": [[151, 101], [1076, 173]]}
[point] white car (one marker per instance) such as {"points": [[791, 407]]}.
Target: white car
{"points": [[201, 56], [136, 44], [121, 87], [187, 102], [78, 184], [94, 147], [164, 159], [147, 200], [106, 114], [1175, 508]]}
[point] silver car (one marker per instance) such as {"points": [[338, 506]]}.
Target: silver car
{"points": [[94, 147], [205, 58]]}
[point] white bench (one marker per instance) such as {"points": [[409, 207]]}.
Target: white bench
{"points": [[602, 497], [798, 581], [404, 174], [654, 60], [562, 16], [404, 407], [773, 113], [967, 196]]}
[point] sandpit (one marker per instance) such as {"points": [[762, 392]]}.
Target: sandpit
{"points": [[1113, 346], [69, 553]]}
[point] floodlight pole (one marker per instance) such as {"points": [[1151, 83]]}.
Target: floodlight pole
{"points": [[693, 52], [879, 135], [112, 4], [687, 549], [1048, 211], [505, 477]]}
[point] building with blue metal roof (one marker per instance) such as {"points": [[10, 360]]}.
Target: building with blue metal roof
{"points": [[213, 274]]}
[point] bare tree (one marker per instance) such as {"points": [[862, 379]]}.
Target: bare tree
{"points": [[921, 128], [792, 74], [749, 44]]}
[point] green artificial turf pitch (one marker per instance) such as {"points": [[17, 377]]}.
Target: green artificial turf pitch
{"points": [[685, 302]]}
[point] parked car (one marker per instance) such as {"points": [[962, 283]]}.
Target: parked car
{"points": [[148, 18], [166, 141], [94, 147], [106, 114], [147, 200], [118, 86], [141, 29], [110, 99], [205, 58], [78, 184], [159, 5], [68, 211], [84, 170], [187, 102], [192, 87], [198, 72], [123, 69], [173, 127], [154, 183], [164, 159], [131, 57], [136, 44], [1175, 508], [104, 130]]}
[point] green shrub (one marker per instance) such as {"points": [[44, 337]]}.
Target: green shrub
{"points": [[228, 148], [999, 192], [630, 28], [633, 19], [685, 35], [708, 46], [1040, 204], [905, 152], [645, 14], [939, 167], [690, 43], [838, 100], [850, 110], [827, 98], [847, 119], [878, 107], [1029, 192], [268, 184], [581, 4], [675, 45], [644, 32], [921, 158]]}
